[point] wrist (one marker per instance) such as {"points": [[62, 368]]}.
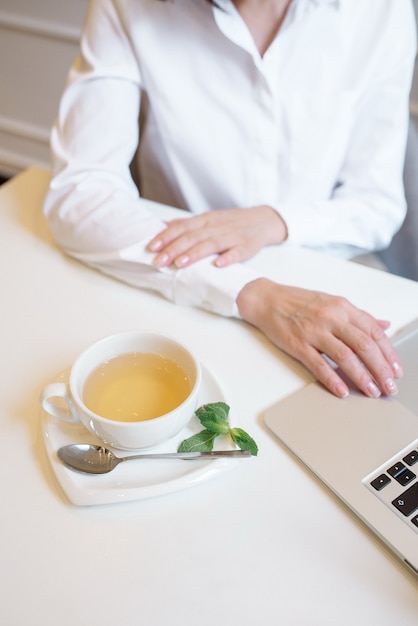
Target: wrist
{"points": [[251, 300], [277, 226]]}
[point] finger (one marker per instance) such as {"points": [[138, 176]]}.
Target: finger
{"points": [[375, 329], [360, 347], [223, 244], [324, 373], [236, 254], [207, 247], [390, 354], [187, 248], [173, 230], [193, 245], [366, 359], [348, 362], [352, 368]]}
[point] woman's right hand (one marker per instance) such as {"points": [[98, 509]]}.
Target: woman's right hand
{"points": [[309, 324]]}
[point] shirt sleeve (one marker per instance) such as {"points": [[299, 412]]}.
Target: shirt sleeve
{"points": [[93, 206], [367, 205]]}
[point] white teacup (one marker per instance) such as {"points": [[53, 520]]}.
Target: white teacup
{"points": [[126, 435]]}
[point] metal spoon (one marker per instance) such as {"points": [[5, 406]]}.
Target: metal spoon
{"points": [[91, 459]]}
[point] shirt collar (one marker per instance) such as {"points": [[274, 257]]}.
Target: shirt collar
{"points": [[236, 31]]}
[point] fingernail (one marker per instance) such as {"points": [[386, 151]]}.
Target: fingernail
{"points": [[373, 390], [155, 245], [341, 390], [183, 260], [391, 387], [397, 368], [161, 260]]}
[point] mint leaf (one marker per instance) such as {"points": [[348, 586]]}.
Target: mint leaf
{"points": [[201, 442], [214, 417], [243, 440], [221, 408]]}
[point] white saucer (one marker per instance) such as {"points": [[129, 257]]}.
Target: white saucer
{"points": [[135, 480]]}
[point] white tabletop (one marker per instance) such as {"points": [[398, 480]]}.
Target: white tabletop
{"points": [[264, 543]]}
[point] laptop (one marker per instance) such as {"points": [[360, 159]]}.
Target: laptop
{"points": [[365, 450]]}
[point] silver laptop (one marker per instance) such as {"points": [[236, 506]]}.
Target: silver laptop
{"points": [[364, 450]]}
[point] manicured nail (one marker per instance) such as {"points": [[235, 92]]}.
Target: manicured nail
{"points": [[341, 390], [397, 368], [182, 261], [161, 260], [391, 387], [156, 245], [373, 390]]}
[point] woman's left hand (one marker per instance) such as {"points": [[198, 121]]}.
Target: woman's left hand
{"points": [[233, 234]]}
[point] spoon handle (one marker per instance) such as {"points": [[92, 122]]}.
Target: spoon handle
{"points": [[190, 455]]}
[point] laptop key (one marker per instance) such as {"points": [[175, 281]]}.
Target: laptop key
{"points": [[407, 502], [380, 482], [411, 458], [405, 478], [396, 469]]}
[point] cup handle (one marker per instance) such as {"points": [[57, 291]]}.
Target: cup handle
{"points": [[58, 390]]}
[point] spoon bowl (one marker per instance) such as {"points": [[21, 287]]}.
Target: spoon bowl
{"points": [[95, 459]]}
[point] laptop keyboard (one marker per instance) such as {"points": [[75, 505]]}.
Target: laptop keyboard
{"points": [[395, 483]]}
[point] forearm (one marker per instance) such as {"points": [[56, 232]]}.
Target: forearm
{"points": [[345, 226], [98, 229]]}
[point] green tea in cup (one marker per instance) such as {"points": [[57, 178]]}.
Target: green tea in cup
{"points": [[137, 386]]}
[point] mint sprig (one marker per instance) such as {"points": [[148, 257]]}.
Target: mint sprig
{"points": [[214, 418]]}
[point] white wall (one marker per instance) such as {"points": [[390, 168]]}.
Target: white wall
{"points": [[38, 41]]}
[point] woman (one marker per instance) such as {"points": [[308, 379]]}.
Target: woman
{"points": [[268, 121]]}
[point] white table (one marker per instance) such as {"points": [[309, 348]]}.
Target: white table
{"points": [[264, 543]]}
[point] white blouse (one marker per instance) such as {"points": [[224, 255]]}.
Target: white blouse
{"points": [[316, 128]]}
